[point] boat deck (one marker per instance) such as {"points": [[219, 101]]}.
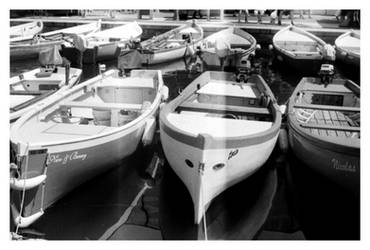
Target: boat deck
{"points": [[340, 122], [55, 130], [229, 88], [199, 123]]}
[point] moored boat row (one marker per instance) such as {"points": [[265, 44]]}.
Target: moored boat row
{"points": [[30, 46], [220, 130], [296, 46]]}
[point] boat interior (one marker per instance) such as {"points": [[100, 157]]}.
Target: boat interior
{"points": [[333, 110], [224, 108], [236, 40], [297, 43], [106, 104]]}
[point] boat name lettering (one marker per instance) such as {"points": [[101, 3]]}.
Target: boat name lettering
{"points": [[343, 166], [233, 153], [66, 158]]}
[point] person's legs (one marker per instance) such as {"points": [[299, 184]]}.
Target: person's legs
{"points": [[291, 17], [280, 15]]}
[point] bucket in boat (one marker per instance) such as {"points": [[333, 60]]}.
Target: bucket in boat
{"points": [[125, 116], [101, 117]]}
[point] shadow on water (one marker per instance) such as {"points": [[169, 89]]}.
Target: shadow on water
{"points": [[324, 210]]}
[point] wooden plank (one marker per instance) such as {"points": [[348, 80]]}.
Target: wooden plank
{"points": [[328, 121], [106, 106], [331, 127], [196, 106], [327, 107], [343, 122], [335, 119], [313, 120], [320, 121]]}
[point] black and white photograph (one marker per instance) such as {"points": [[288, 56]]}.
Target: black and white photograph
{"points": [[192, 123]]}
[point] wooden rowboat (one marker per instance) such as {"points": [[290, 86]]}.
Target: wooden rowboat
{"points": [[79, 134], [324, 129], [301, 50], [218, 132], [228, 45], [26, 29], [32, 88], [31, 46], [108, 43], [172, 45], [347, 48]]}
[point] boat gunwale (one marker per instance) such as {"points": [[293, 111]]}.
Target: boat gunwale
{"points": [[113, 131], [327, 142], [206, 141]]}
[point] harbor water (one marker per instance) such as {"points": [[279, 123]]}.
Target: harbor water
{"points": [[283, 200]]}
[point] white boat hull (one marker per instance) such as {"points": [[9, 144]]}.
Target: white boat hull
{"points": [[165, 56], [239, 164], [71, 158], [30, 50]]}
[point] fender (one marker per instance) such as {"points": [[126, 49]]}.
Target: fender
{"points": [[23, 222], [29, 183], [149, 131]]}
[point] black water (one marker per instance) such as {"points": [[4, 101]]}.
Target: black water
{"points": [[283, 200]]}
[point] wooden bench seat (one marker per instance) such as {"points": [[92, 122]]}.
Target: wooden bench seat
{"points": [[194, 106], [129, 82], [327, 107], [103, 105]]}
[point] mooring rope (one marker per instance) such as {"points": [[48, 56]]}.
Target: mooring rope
{"points": [[23, 191], [203, 210]]}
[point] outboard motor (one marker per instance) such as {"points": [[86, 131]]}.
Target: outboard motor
{"points": [[326, 73], [243, 69]]}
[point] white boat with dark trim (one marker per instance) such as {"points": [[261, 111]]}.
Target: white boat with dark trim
{"points": [[172, 45], [228, 45], [347, 47], [324, 129], [218, 132], [301, 49], [31, 89], [31, 46], [26, 29], [79, 134], [108, 43]]}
